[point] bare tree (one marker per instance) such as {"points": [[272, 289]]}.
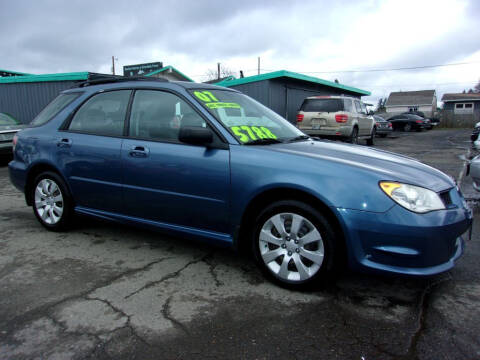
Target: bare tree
{"points": [[212, 74], [381, 104], [476, 88]]}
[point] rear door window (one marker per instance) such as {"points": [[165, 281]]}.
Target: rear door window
{"points": [[322, 105], [103, 114], [358, 107], [348, 105], [364, 108]]}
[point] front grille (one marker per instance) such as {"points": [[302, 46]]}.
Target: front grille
{"points": [[6, 136]]}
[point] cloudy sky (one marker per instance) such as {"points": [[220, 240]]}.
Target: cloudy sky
{"points": [[342, 40]]}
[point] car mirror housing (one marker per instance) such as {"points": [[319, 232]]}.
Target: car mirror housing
{"points": [[196, 135]]}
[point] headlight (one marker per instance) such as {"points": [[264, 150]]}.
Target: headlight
{"points": [[413, 198]]}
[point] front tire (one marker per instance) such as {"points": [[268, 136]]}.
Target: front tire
{"points": [[293, 244], [52, 204]]}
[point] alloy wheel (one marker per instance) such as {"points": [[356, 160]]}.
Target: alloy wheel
{"points": [[49, 203], [291, 247]]}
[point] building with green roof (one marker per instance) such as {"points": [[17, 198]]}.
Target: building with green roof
{"points": [[25, 95], [284, 91]]}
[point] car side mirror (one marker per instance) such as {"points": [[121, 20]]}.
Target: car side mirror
{"points": [[195, 135]]}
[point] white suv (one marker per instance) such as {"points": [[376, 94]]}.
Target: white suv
{"points": [[340, 117]]}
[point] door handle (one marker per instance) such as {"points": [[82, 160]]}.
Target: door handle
{"points": [[64, 143], [138, 151]]}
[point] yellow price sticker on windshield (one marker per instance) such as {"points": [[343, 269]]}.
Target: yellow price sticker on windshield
{"points": [[222, 105], [246, 133], [205, 96]]}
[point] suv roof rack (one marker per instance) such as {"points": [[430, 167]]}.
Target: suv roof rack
{"points": [[96, 79]]}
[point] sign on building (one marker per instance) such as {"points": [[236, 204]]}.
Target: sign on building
{"points": [[141, 69]]}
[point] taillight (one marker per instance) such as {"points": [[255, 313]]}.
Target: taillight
{"points": [[14, 141], [389, 124], [300, 117], [419, 121], [341, 118]]}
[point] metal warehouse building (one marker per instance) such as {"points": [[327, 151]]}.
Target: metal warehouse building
{"points": [[284, 91], [25, 96]]}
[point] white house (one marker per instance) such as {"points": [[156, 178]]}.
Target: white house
{"points": [[405, 101]]}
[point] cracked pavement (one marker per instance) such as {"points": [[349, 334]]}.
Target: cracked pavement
{"points": [[105, 291]]}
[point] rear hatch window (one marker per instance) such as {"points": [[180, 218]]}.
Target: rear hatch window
{"points": [[322, 105]]}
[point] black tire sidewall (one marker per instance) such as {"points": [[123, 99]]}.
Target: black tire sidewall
{"points": [[354, 137], [67, 201], [371, 141], [317, 219]]}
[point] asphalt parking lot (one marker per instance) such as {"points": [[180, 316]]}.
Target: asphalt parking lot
{"points": [[104, 291]]}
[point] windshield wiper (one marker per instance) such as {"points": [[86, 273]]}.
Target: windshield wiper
{"points": [[263, 142], [299, 138]]}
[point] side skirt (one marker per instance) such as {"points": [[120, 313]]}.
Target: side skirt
{"points": [[215, 238]]}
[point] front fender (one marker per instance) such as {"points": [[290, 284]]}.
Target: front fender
{"points": [[337, 185]]}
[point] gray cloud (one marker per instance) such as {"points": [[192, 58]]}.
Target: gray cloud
{"points": [[63, 36]]}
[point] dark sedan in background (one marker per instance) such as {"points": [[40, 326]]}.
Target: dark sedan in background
{"points": [[408, 122], [384, 127]]}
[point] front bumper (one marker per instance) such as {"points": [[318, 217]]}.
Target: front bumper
{"points": [[402, 242], [5, 147]]}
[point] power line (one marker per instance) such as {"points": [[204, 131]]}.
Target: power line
{"points": [[417, 85], [392, 69]]}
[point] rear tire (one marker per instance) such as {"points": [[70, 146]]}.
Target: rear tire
{"points": [[354, 136], [371, 140], [293, 244], [52, 203]]}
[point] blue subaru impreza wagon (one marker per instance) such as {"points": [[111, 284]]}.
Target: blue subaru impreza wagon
{"points": [[210, 163]]}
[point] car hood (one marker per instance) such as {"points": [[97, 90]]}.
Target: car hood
{"points": [[387, 165]]}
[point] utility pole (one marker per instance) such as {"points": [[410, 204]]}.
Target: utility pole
{"points": [[218, 71], [113, 65], [259, 65]]}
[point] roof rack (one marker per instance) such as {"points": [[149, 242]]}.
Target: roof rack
{"points": [[96, 79]]}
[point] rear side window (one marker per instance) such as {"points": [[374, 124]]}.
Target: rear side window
{"points": [[103, 114], [52, 109], [322, 105], [348, 105]]}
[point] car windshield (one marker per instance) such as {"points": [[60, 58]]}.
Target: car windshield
{"points": [[249, 121], [322, 105], [7, 120]]}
